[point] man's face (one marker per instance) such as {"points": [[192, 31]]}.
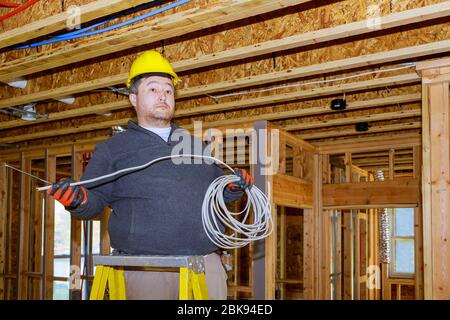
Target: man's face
{"points": [[155, 99]]}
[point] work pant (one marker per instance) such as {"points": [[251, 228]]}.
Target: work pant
{"points": [[152, 285]]}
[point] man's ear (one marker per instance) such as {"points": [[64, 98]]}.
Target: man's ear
{"points": [[132, 97]]}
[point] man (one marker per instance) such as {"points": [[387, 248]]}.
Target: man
{"points": [[157, 210]]}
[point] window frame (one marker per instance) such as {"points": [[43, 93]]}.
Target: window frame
{"points": [[392, 272]]}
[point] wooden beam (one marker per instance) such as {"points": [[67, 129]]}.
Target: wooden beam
{"points": [[349, 132], [171, 26], [71, 113], [435, 178], [60, 149], [308, 255], [24, 235], [75, 234], [3, 225], [402, 153], [426, 196], [440, 192], [383, 160], [105, 242], [281, 214], [418, 229], [58, 22], [348, 167], [49, 228], [289, 74], [292, 192], [324, 227], [107, 107], [354, 119], [318, 69], [347, 253], [391, 164], [386, 168], [379, 193], [370, 144], [299, 95], [356, 105], [432, 67], [364, 85]]}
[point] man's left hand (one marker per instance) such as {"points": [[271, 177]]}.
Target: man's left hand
{"points": [[246, 181]]}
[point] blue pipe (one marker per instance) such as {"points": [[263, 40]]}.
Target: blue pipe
{"points": [[75, 34], [115, 16]]}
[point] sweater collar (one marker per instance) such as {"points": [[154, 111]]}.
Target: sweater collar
{"points": [[134, 126]]}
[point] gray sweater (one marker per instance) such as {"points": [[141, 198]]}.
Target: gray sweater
{"points": [[156, 210]]}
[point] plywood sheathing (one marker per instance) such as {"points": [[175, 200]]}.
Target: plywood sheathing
{"points": [[39, 11], [312, 19], [254, 30], [247, 112]]}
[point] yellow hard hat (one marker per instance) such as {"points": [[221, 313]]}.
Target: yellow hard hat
{"points": [[151, 62]]}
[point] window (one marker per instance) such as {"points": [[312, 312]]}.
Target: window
{"points": [[402, 245], [61, 265]]}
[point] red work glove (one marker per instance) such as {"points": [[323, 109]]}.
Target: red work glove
{"points": [[246, 181], [69, 196]]}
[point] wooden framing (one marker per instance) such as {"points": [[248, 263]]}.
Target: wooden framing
{"points": [[436, 176], [389, 194], [351, 120], [324, 230], [289, 191], [25, 185], [333, 66], [75, 235], [418, 229], [355, 105], [349, 132], [247, 103], [308, 255], [49, 223], [178, 24], [191, 20], [57, 22], [3, 226], [347, 216], [370, 144], [325, 167]]}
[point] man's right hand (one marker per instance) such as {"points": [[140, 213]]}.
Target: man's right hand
{"points": [[70, 197]]}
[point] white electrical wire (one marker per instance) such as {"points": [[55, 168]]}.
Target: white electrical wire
{"points": [[405, 66], [215, 213]]}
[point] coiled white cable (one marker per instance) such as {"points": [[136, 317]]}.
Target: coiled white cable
{"points": [[215, 214], [214, 210]]}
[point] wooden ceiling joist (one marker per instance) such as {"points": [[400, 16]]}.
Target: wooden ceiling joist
{"points": [[349, 132], [369, 144], [383, 161], [292, 96], [356, 105], [403, 79], [60, 132], [102, 108], [342, 121], [351, 120], [96, 109], [178, 24], [319, 69], [381, 154], [232, 55], [88, 12], [289, 74]]}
